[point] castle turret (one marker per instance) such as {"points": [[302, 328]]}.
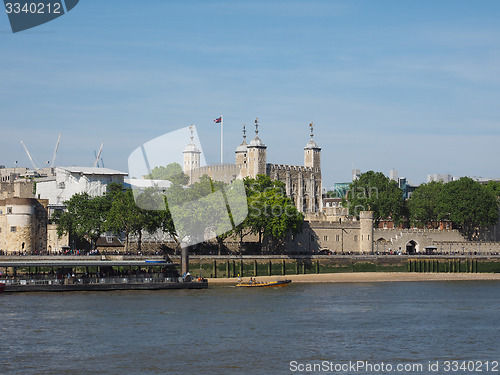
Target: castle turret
{"points": [[23, 224], [312, 152], [366, 232], [191, 157], [256, 154], [242, 150]]}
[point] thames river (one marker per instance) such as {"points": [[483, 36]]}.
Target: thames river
{"points": [[228, 330]]}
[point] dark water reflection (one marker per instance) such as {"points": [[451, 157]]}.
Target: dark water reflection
{"points": [[227, 330]]}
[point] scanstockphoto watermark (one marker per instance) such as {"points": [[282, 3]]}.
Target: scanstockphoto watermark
{"points": [[357, 193], [204, 208], [199, 213], [352, 367], [259, 206], [26, 14]]}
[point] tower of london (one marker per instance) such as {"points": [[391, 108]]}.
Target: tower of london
{"points": [[302, 182]]}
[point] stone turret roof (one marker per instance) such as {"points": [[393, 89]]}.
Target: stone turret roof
{"points": [[191, 147], [242, 148], [312, 145], [256, 142]]}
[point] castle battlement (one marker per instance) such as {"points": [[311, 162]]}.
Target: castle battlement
{"points": [[295, 168], [225, 172], [220, 167]]}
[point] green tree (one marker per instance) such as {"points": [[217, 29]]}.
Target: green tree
{"points": [[373, 191], [149, 211], [124, 216], [210, 207], [200, 211], [494, 187], [159, 219], [331, 194], [469, 205], [270, 212], [423, 204], [172, 172], [85, 217]]}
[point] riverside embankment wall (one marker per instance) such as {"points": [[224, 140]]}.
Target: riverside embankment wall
{"points": [[262, 265], [231, 266]]}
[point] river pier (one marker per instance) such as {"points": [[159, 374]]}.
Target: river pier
{"points": [[93, 275]]}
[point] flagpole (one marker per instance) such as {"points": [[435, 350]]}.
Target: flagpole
{"points": [[221, 140]]}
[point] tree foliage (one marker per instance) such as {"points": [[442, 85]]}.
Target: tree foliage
{"points": [[172, 172], [124, 216], [494, 187], [270, 212], [85, 217], [469, 205], [199, 212], [373, 191], [423, 204]]}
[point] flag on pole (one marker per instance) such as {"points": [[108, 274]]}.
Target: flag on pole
{"points": [[218, 120]]}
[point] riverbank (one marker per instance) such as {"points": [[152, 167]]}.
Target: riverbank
{"points": [[368, 277]]}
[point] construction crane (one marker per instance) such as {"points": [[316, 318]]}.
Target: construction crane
{"points": [[29, 156], [55, 151], [98, 155], [101, 163]]}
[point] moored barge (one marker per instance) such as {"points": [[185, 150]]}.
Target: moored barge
{"points": [[84, 275]]}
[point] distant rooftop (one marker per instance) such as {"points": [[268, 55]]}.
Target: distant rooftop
{"points": [[93, 170], [144, 183]]}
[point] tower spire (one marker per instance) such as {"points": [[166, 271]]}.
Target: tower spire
{"points": [[312, 151], [312, 144], [257, 126], [244, 133], [191, 155]]}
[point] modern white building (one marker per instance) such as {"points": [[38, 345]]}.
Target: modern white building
{"points": [[439, 178], [68, 181]]}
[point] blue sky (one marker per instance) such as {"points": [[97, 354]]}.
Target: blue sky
{"points": [[410, 85]]}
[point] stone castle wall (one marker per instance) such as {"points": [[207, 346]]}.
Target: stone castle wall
{"points": [[16, 189], [225, 173], [54, 243], [355, 237], [23, 225], [339, 237], [436, 234], [446, 241], [303, 185], [256, 161]]}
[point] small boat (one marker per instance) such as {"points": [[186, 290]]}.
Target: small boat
{"points": [[263, 284]]}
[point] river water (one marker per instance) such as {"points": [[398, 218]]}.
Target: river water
{"points": [[228, 330]]}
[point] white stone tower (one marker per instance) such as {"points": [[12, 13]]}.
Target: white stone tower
{"points": [[191, 157], [312, 152], [256, 154]]}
